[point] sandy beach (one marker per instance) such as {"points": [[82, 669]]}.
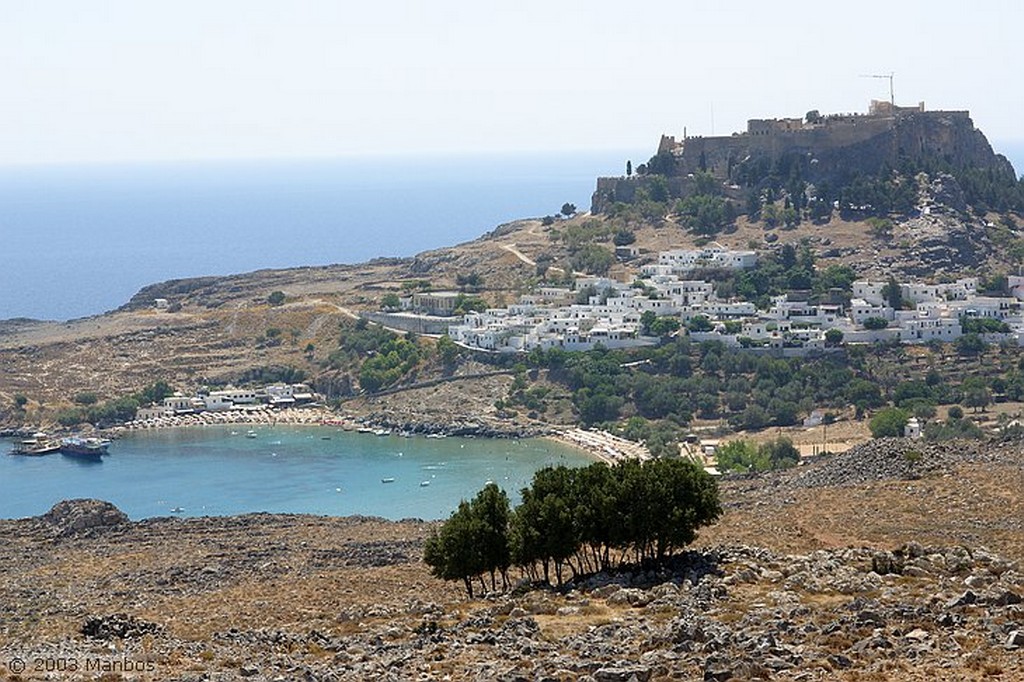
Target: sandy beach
{"points": [[602, 445]]}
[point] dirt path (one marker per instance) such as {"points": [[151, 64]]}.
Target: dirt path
{"points": [[514, 250]]}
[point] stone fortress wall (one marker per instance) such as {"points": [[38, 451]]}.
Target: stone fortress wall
{"points": [[838, 144]]}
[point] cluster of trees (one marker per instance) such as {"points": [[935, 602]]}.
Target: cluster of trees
{"points": [[568, 210], [705, 214], [382, 358], [394, 359], [651, 324], [472, 281], [790, 267], [267, 374], [890, 422], [593, 259], [650, 394], [983, 325], [680, 380], [356, 341], [580, 520], [104, 413], [744, 456]]}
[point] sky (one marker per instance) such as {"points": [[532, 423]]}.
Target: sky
{"points": [[141, 80]]}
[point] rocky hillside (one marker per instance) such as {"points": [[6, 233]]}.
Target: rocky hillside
{"points": [[218, 328], [845, 569]]}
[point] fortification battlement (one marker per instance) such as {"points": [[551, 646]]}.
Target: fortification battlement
{"points": [[879, 112], [831, 148]]}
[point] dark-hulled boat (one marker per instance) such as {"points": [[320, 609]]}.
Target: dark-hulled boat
{"points": [[84, 448]]}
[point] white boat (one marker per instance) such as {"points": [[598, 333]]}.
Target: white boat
{"points": [[387, 480], [424, 484], [39, 444], [250, 434], [382, 432]]}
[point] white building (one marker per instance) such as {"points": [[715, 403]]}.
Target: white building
{"points": [[713, 255], [236, 396]]}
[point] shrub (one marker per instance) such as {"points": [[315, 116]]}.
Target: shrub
{"points": [[876, 323], [888, 423]]}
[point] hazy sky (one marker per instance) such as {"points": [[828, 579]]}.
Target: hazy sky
{"points": [[135, 79]]}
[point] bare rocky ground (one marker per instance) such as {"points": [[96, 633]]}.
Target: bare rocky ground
{"points": [[890, 561]]}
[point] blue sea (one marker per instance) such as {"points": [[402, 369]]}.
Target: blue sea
{"points": [[216, 471], [81, 240]]}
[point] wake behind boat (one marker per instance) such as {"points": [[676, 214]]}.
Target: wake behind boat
{"points": [[84, 448]]}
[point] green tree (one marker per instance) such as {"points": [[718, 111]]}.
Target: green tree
{"points": [[593, 259], [490, 509], [833, 337], [544, 522], [155, 393], [704, 214], [888, 423], [276, 298], [470, 282], [700, 323], [743, 456], [453, 552], [893, 294], [779, 453], [876, 323], [977, 394], [390, 301], [664, 326], [20, 401], [737, 455], [447, 351], [970, 345], [624, 237], [629, 168], [568, 209]]}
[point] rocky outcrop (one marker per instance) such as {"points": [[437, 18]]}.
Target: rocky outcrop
{"points": [[73, 517]]}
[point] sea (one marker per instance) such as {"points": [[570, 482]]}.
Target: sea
{"points": [[80, 240], [221, 470], [77, 241]]}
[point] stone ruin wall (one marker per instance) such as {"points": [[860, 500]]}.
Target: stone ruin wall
{"points": [[843, 146]]}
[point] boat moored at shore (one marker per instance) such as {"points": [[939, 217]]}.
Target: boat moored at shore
{"points": [[39, 444], [84, 448]]}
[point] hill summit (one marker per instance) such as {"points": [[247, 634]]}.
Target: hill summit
{"points": [[826, 151]]}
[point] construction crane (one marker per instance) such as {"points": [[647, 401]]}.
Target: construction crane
{"points": [[892, 91]]}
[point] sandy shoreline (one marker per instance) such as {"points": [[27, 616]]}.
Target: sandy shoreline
{"points": [[600, 445], [311, 416]]}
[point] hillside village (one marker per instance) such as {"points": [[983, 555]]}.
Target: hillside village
{"points": [[615, 314]]}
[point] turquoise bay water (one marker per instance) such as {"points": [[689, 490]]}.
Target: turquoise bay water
{"points": [[216, 471]]}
